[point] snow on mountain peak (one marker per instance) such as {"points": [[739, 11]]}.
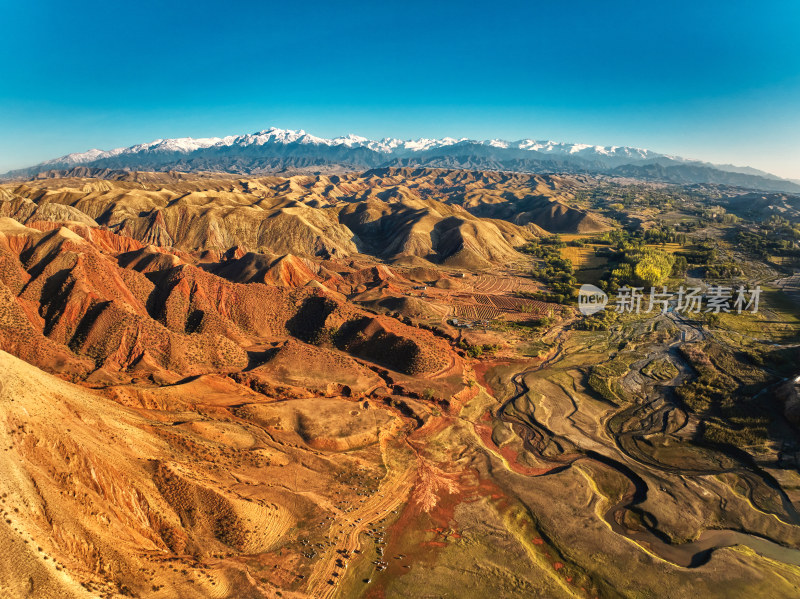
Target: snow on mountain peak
{"points": [[79, 157], [387, 145], [285, 149]]}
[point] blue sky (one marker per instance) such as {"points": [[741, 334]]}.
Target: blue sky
{"points": [[718, 81]]}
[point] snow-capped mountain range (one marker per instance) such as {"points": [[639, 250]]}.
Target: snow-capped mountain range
{"points": [[285, 150], [387, 145]]}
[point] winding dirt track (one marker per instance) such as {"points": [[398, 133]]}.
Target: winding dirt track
{"points": [[392, 493]]}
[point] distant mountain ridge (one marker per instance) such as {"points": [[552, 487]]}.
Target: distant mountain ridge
{"points": [[276, 150]]}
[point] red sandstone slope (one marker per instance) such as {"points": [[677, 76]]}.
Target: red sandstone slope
{"points": [[82, 300]]}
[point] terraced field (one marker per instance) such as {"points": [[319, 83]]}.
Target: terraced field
{"points": [[519, 304], [479, 306], [493, 284], [476, 312]]}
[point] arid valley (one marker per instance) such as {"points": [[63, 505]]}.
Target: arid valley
{"points": [[377, 384]]}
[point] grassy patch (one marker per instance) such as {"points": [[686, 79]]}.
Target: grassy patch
{"points": [[726, 394], [604, 378], [661, 370]]}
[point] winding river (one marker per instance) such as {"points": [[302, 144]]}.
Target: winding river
{"points": [[561, 453]]}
